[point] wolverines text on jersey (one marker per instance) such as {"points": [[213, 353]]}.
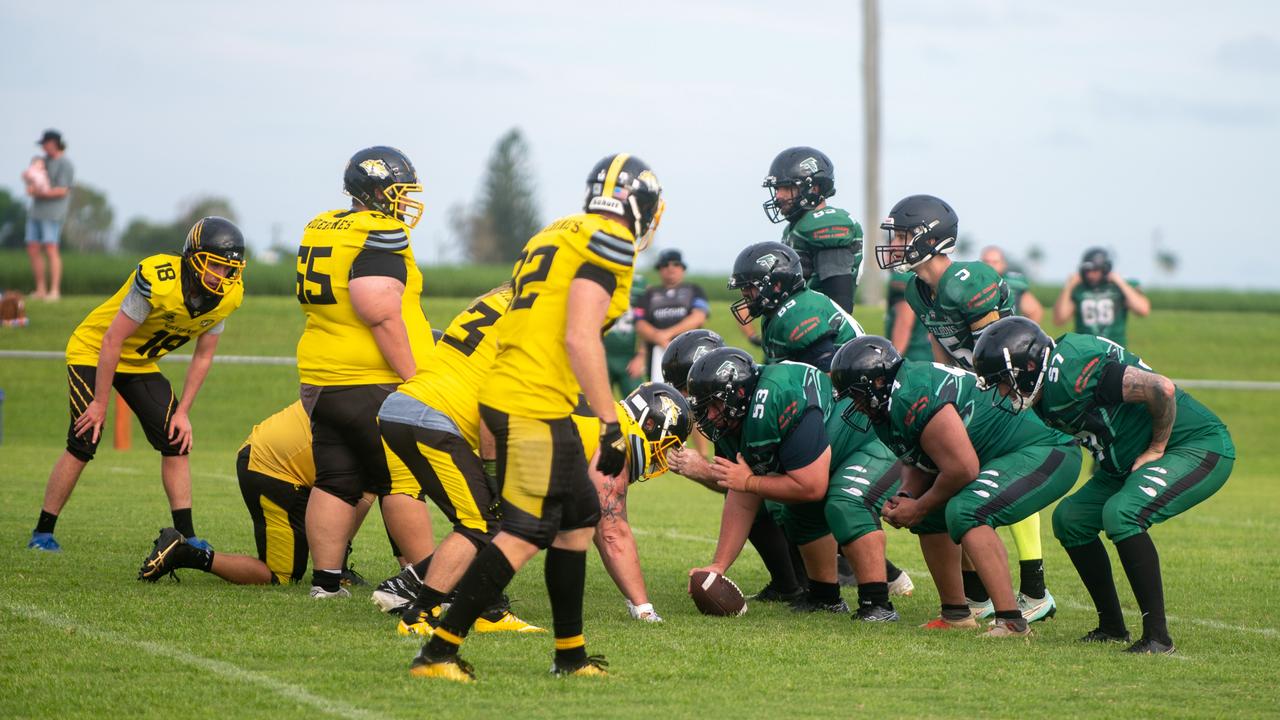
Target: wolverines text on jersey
{"points": [[531, 376], [336, 347], [168, 326], [968, 294]]}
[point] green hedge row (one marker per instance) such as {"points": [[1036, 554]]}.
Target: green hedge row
{"points": [[87, 274]]}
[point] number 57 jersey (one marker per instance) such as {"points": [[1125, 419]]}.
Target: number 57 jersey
{"points": [[169, 325], [337, 347], [531, 375]]}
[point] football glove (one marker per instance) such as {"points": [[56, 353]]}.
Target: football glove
{"points": [[613, 449]]}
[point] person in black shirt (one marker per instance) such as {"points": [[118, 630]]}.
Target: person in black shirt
{"points": [[665, 311]]}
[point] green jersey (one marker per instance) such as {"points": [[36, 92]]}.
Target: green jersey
{"points": [[922, 389], [968, 292], [1018, 285], [804, 320], [1102, 311], [825, 228], [620, 341], [1116, 433], [784, 393], [918, 348]]}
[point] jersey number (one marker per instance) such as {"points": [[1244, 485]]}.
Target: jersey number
{"points": [[163, 342], [1096, 311], [475, 330], [165, 272], [541, 260], [307, 273]]}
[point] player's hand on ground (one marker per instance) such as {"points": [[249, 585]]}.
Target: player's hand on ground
{"points": [[903, 512], [731, 475], [1149, 455], [180, 431], [92, 418], [712, 568]]}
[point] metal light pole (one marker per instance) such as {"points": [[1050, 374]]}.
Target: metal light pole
{"points": [[872, 284]]}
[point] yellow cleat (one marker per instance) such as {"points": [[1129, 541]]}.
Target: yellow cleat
{"points": [[593, 666], [504, 621], [452, 668], [417, 621]]}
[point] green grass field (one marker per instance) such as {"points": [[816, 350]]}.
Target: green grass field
{"points": [[82, 638]]}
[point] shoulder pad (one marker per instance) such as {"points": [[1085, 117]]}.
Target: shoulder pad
{"points": [[828, 227], [158, 274], [379, 231], [970, 286]]}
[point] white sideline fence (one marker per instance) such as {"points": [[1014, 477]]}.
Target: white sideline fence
{"points": [[1247, 385]]}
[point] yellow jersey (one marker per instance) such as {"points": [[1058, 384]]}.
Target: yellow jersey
{"points": [[170, 324], [589, 429], [531, 375], [281, 447], [336, 347], [451, 382]]}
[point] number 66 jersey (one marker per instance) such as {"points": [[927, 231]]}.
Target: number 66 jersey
{"points": [[170, 324]]}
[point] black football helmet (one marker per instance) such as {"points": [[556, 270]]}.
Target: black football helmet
{"points": [[864, 369], [624, 185], [664, 418], [774, 270], [918, 227], [1095, 258], [381, 178], [214, 248], [1012, 356], [809, 171], [723, 381], [683, 350]]}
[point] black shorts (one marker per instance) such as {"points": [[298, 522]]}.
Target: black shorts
{"points": [[447, 471], [346, 444], [543, 474], [279, 512], [148, 395]]}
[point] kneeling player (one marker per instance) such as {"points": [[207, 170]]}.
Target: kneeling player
{"points": [[165, 303], [823, 481], [1159, 453], [276, 473], [968, 468]]}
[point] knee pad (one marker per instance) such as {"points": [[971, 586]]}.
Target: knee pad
{"points": [[959, 520]]}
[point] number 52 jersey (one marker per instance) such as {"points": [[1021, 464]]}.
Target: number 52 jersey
{"points": [[168, 326]]}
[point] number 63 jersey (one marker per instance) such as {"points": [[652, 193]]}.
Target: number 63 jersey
{"points": [[168, 326], [337, 347], [531, 375]]}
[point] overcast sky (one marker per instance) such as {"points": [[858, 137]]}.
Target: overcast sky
{"points": [[1063, 125]]}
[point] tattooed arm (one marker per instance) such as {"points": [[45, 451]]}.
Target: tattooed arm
{"points": [[1158, 393], [614, 539]]}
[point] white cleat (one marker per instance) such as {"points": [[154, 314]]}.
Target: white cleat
{"points": [[319, 593], [981, 610], [1035, 610], [901, 586], [644, 612]]}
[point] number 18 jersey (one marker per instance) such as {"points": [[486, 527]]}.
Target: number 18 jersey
{"points": [[531, 375], [168, 326]]}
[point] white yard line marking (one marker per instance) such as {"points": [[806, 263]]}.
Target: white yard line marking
{"points": [[227, 670]]}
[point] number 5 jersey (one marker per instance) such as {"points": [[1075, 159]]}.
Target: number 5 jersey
{"points": [[170, 324]]}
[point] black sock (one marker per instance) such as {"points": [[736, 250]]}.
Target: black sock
{"points": [[973, 588], [955, 612], [46, 522], [1142, 565], [1013, 617], [1094, 568], [189, 556], [182, 522], [420, 568], [873, 593], [566, 575], [428, 597], [329, 580], [488, 575], [825, 593], [1031, 577], [891, 571], [767, 538], [797, 566]]}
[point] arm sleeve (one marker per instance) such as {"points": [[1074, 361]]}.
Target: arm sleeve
{"points": [[830, 262], [804, 443], [840, 289], [379, 263], [1110, 388], [135, 305], [599, 276]]}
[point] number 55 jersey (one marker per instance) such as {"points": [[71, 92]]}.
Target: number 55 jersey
{"points": [[337, 347], [170, 324]]}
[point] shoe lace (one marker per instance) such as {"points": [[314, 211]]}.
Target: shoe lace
{"points": [[597, 661]]}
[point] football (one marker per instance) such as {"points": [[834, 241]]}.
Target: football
{"points": [[715, 594]]}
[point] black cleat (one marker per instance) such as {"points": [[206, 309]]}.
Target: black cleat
{"points": [[770, 593], [398, 592], [1147, 646], [350, 577], [876, 613], [808, 605], [1098, 635], [162, 559], [593, 666]]}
